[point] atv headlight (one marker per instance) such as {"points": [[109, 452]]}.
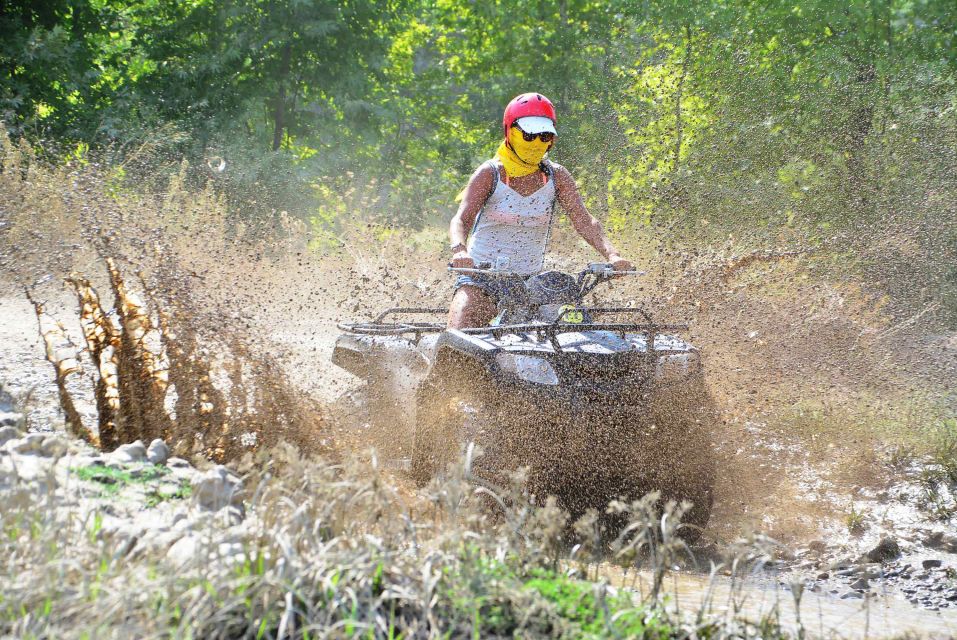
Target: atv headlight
{"points": [[528, 368]]}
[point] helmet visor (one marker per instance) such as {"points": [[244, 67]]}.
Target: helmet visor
{"points": [[536, 124]]}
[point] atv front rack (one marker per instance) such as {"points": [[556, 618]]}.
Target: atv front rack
{"points": [[552, 331], [379, 327]]}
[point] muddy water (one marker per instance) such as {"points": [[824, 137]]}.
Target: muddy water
{"points": [[821, 614]]}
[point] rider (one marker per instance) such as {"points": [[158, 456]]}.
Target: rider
{"points": [[508, 209]]}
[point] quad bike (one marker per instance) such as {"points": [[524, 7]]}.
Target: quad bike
{"points": [[595, 410]]}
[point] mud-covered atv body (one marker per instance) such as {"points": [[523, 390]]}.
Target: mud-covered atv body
{"points": [[595, 410]]}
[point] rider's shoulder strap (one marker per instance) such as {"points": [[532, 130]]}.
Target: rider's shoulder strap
{"points": [[546, 167], [495, 178]]}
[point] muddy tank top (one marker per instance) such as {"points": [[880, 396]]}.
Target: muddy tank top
{"points": [[511, 231]]}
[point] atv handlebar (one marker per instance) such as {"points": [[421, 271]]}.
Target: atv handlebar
{"points": [[600, 269]]}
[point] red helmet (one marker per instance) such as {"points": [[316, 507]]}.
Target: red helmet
{"points": [[527, 104]]}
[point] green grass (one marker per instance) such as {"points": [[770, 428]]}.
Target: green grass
{"points": [[598, 613], [183, 491], [939, 478], [112, 481], [491, 598], [856, 521]]}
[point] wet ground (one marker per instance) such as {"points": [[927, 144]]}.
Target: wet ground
{"points": [[895, 598], [882, 615]]}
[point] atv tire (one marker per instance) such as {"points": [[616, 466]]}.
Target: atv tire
{"points": [[452, 410]]}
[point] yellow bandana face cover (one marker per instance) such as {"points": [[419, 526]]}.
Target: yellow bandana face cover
{"points": [[521, 158]]}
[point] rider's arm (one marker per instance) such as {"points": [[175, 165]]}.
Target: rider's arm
{"points": [[587, 226], [476, 193]]}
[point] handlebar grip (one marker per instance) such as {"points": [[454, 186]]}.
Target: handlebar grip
{"points": [[479, 266]]}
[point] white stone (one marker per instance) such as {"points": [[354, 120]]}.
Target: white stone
{"points": [[177, 463], [7, 434], [53, 446], [163, 541], [184, 552], [158, 452], [124, 547], [29, 444], [10, 419], [127, 453], [217, 488], [231, 552]]}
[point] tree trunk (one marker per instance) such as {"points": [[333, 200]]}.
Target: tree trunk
{"points": [[279, 116]]}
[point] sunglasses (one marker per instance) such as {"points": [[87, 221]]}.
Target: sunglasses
{"points": [[546, 136]]}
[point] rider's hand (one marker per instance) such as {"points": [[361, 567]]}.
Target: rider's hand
{"points": [[619, 264], [462, 260]]}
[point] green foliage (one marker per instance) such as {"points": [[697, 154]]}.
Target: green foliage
{"points": [[856, 521], [939, 478], [597, 612], [113, 480], [814, 122], [114, 475]]}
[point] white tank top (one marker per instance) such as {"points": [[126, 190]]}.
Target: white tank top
{"points": [[511, 231]]}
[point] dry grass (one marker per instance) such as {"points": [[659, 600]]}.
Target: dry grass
{"points": [[333, 551]]}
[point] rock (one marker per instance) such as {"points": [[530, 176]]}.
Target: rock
{"points": [[6, 400], [817, 546], [216, 489], [860, 584], [184, 551], [127, 453], [177, 463], [233, 516], [163, 539], [886, 550], [872, 572], [785, 555], [8, 433], [823, 576], [844, 573], [230, 549], [10, 419], [124, 547], [941, 540], [158, 452], [931, 563], [53, 446], [30, 444], [851, 595]]}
